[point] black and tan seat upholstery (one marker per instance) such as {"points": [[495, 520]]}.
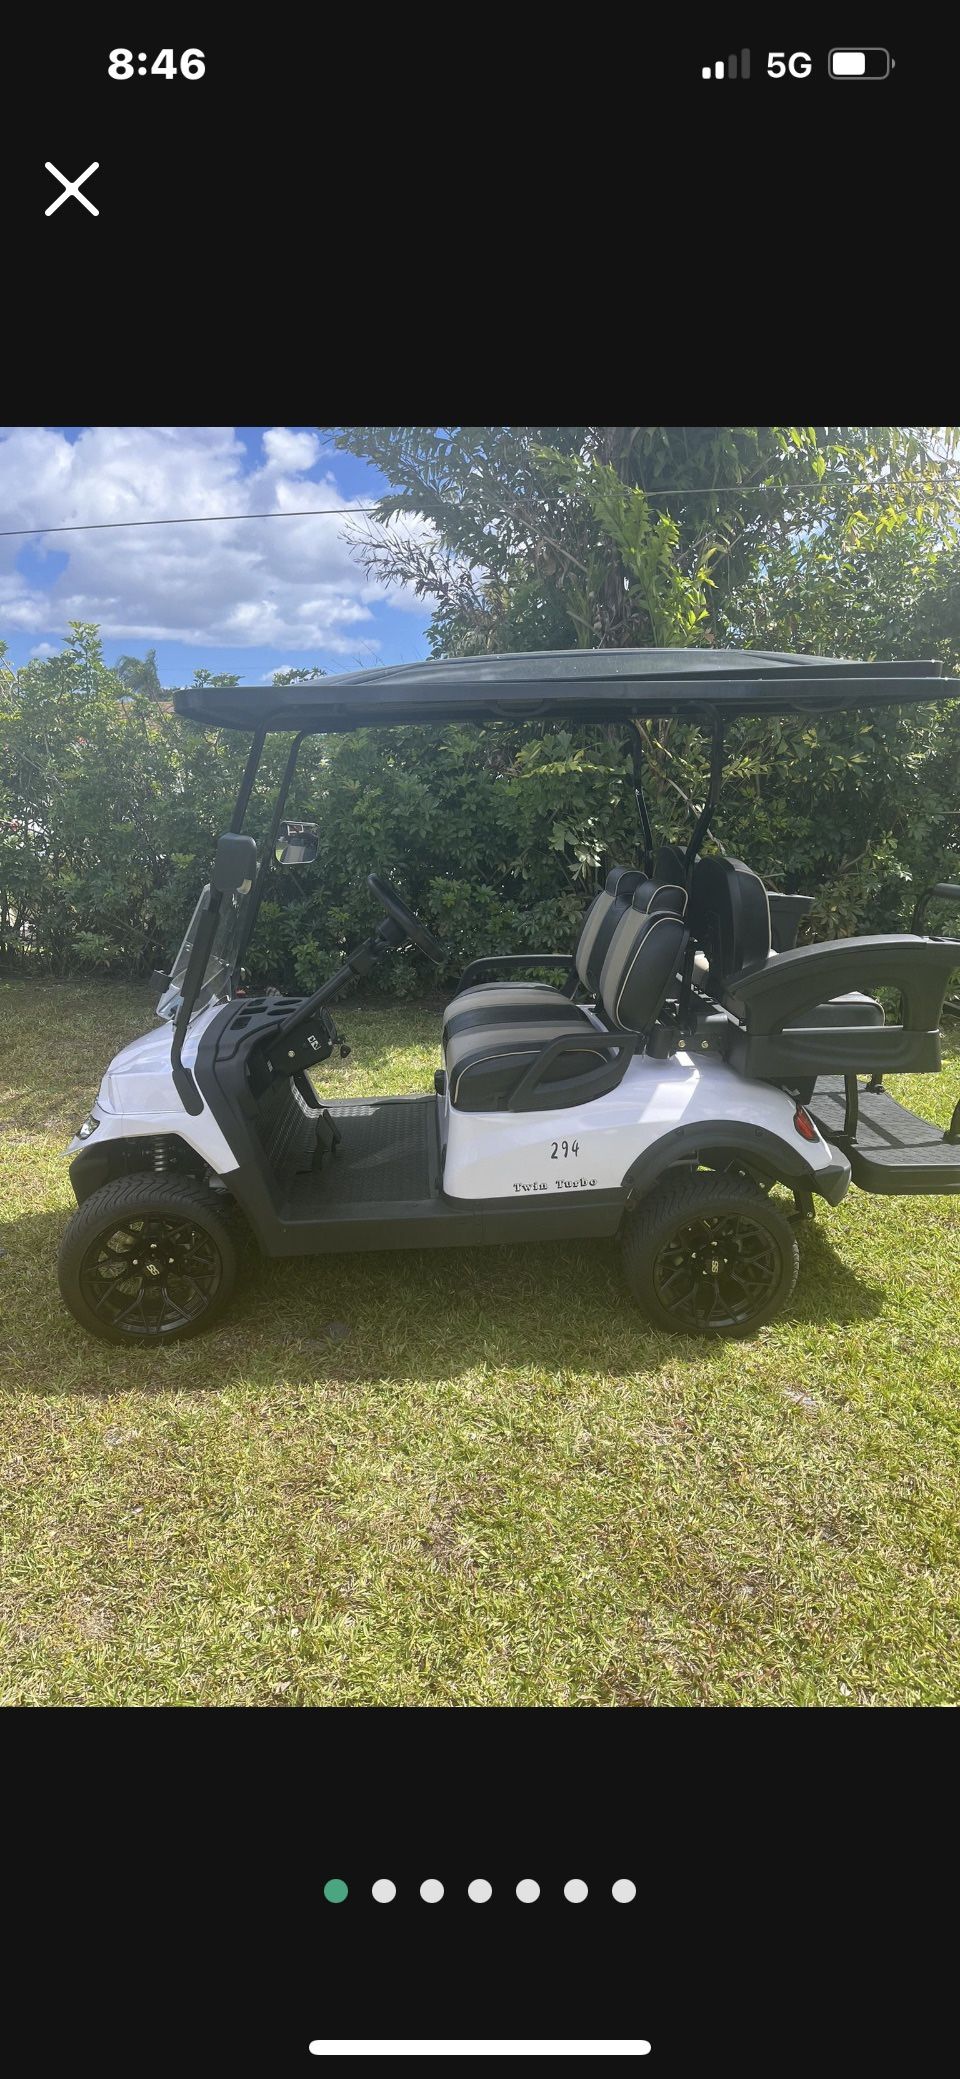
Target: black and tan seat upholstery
{"points": [[486, 1059], [541, 999], [624, 886]]}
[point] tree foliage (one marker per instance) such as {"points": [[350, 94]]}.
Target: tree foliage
{"points": [[110, 806], [834, 540]]}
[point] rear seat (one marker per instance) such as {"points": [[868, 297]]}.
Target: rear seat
{"points": [[729, 918]]}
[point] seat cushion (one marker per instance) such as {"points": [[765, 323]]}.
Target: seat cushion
{"points": [[485, 1063], [853, 1009], [499, 1003]]}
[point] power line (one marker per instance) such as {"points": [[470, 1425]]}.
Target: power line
{"points": [[330, 512], [789, 492]]}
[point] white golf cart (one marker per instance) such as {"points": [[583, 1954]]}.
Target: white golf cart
{"points": [[690, 1059]]}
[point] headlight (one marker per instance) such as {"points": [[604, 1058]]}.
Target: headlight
{"points": [[89, 1126]]}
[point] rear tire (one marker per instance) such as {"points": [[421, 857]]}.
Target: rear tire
{"points": [[710, 1256], [147, 1260]]}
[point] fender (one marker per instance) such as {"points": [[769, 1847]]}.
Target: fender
{"points": [[759, 1149], [125, 1155]]}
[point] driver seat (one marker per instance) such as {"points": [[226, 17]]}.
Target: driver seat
{"points": [[624, 886], [487, 1056]]}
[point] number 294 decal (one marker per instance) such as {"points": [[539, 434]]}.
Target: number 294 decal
{"points": [[560, 1151]]}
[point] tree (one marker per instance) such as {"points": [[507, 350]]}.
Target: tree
{"points": [[832, 540], [140, 675], [543, 537]]}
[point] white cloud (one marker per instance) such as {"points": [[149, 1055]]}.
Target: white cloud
{"points": [[292, 582], [43, 649], [287, 450]]}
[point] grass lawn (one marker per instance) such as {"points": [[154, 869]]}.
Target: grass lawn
{"points": [[474, 1478]]}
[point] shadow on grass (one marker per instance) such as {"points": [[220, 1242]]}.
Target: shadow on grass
{"points": [[558, 1308], [827, 1289]]}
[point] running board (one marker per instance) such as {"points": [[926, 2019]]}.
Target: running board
{"points": [[890, 1150], [382, 1189]]}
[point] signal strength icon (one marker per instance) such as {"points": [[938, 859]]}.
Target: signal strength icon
{"points": [[729, 68]]}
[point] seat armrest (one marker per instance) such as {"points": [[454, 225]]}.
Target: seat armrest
{"points": [[766, 997], [510, 963], [533, 1094]]}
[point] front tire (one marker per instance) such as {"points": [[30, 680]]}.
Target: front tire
{"points": [[147, 1260], [710, 1256]]}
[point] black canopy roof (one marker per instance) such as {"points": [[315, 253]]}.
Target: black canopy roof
{"points": [[566, 685]]}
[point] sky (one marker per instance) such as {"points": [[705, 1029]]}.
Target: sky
{"points": [[251, 597]]}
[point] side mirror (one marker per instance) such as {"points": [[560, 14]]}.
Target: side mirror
{"points": [[297, 844], [235, 864]]}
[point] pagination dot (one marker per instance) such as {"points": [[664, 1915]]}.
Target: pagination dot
{"points": [[575, 1891], [335, 1890], [527, 1890], [479, 1891], [624, 1890], [432, 1890], [384, 1890]]}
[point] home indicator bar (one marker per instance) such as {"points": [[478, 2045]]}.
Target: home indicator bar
{"points": [[525, 2046]]}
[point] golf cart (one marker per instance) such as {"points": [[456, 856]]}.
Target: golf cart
{"points": [[690, 1058]]}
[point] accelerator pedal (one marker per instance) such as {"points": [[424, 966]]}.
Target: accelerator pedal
{"points": [[329, 1138]]}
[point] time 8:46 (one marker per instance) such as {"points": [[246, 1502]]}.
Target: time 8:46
{"points": [[190, 65]]}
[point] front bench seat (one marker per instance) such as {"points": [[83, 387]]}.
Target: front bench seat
{"points": [[485, 1062], [625, 886]]}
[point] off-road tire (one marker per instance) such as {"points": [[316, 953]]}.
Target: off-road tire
{"points": [[726, 1233], [181, 1252]]}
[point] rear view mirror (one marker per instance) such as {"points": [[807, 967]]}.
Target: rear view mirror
{"points": [[235, 864], [296, 844]]}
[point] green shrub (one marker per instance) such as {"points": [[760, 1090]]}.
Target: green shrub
{"points": [[110, 807]]}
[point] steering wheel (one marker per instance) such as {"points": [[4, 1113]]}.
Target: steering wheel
{"points": [[409, 924]]}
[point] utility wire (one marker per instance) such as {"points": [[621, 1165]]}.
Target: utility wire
{"points": [[348, 512], [343, 512]]}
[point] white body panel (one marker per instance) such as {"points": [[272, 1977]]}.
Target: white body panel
{"points": [[587, 1147], [138, 1097], [506, 1154]]}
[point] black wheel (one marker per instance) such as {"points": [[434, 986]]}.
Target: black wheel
{"points": [[710, 1256], [147, 1260]]}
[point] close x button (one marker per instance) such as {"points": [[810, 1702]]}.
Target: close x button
{"points": [[71, 188]]}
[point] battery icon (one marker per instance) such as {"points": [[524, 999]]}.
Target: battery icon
{"points": [[872, 63]]}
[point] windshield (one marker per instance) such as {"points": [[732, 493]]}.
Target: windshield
{"points": [[222, 961]]}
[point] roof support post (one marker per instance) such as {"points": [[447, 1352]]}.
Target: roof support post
{"points": [[253, 907], [635, 746], [250, 774], [706, 815]]}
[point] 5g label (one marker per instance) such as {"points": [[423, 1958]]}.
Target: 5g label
{"points": [[799, 65]]}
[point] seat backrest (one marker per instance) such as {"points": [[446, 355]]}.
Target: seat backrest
{"points": [[626, 887], [641, 962], [670, 866], [787, 913], [729, 916], [601, 922]]}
